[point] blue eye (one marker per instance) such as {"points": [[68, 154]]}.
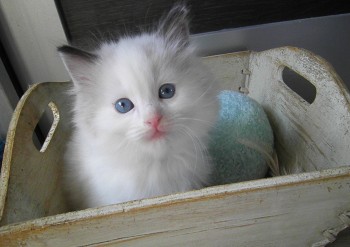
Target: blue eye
{"points": [[123, 105], [166, 91]]}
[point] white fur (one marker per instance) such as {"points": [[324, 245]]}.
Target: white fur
{"points": [[110, 158]]}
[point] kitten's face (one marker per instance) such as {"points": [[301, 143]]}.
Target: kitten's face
{"points": [[148, 93]]}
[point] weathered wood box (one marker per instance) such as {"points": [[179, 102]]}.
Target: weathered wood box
{"points": [[308, 208]]}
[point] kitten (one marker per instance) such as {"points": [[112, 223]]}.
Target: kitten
{"points": [[144, 106]]}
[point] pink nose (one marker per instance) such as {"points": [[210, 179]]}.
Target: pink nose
{"points": [[154, 121]]}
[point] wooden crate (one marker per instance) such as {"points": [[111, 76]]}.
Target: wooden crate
{"points": [[304, 209]]}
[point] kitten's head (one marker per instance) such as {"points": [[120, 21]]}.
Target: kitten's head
{"points": [[148, 89]]}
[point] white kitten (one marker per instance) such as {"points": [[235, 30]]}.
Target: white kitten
{"points": [[143, 108]]}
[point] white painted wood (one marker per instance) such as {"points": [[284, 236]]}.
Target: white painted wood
{"points": [[35, 190], [31, 31], [230, 69], [306, 209], [310, 136], [283, 211]]}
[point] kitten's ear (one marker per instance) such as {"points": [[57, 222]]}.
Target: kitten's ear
{"points": [[79, 63], [174, 26]]}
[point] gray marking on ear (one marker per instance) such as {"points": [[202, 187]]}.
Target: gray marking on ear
{"points": [[174, 26], [69, 50]]}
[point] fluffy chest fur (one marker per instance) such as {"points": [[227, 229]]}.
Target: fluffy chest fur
{"points": [[105, 177]]}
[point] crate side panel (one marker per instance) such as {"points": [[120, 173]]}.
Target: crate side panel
{"points": [[309, 137], [34, 188], [283, 215]]}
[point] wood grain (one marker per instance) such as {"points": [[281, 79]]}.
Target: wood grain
{"points": [[284, 211]]}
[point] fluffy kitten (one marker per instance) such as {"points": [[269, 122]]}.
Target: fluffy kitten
{"points": [[143, 108]]}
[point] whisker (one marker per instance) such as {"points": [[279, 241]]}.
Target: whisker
{"points": [[209, 123], [174, 118], [203, 147], [136, 133], [199, 146], [123, 144], [211, 85], [194, 144]]}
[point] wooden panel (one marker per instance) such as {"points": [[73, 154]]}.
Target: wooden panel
{"points": [[308, 136], [87, 20], [282, 211], [33, 188], [229, 69]]}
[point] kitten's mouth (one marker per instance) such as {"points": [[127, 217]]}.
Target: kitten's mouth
{"points": [[156, 135]]}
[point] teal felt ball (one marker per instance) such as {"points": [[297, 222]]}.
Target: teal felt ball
{"points": [[240, 140]]}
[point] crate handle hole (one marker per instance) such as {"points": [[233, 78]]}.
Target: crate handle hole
{"points": [[298, 84], [46, 127]]}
